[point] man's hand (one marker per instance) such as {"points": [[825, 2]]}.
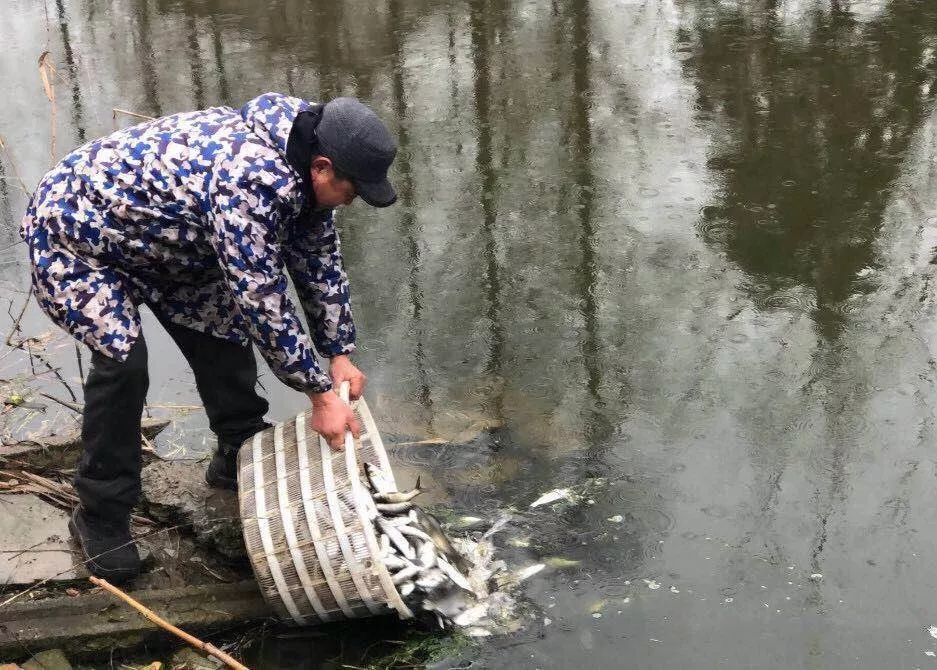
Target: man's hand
{"points": [[331, 417], [342, 369]]}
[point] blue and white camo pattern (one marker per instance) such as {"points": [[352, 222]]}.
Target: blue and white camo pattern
{"points": [[198, 215]]}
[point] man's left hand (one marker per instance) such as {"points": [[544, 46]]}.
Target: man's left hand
{"points": [[342, 369]]}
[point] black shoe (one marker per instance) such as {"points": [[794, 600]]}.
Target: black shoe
{"points": [[107, 545], [222, 472]]}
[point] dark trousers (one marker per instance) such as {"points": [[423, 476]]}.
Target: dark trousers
{"points": [[108, 476]]}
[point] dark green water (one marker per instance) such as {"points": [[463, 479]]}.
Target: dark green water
{"points": [[685, 245]]}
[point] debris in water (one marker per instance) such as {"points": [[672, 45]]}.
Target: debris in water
{"points": [[596, 615], [598, 605], [551, 497], [529, 571], [651, 584], [674, 589], [618, 518], [464, 522], [933, 632], [816, 576], [559, 562]]}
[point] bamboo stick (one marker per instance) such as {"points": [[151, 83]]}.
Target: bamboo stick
{"points": [[117, 111], [165, 625]]}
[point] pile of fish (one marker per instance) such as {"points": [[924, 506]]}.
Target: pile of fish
{"points": [[450, 578]]}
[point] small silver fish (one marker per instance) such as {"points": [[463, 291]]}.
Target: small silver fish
{"points": [[407, 573], [395, 562], [399, 496], [398, 521], [452, 573], [377, 480], [396, 538], [427, 555], [394, 508], [431, 579], [472, 615], [431, 526], [414, 532]]}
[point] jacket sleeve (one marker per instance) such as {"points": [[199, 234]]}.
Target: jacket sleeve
{"points": [[245, 218], [314, 259]]}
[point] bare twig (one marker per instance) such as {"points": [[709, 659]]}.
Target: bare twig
{"points": [[81, 367], [24, 345], [16, 322], [57, 372], [70, 405], [171, 406], [47, 74], [117, 111], [165, 625], [14, 244], [58, 493], [12, 163], [148, 446]]}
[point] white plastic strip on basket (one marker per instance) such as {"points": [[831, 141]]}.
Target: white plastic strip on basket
{"points": [[367, 528], [354, 568], [305, 487], [263, 527], [289, 530], [374, 437]]}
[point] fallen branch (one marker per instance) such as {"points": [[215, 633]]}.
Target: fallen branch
{"points": [[205, 647], [60, 494]]}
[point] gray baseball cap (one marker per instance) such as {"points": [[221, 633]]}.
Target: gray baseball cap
{"points": [[359, 145]]}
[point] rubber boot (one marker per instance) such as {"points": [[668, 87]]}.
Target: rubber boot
{"points": [[222, 470], [108, 547]]}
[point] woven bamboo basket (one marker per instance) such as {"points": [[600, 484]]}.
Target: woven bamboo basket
{"points": [[312, 547]]}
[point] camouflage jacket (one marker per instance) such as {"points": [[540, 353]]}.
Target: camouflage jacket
{"points": [[200, 215]]}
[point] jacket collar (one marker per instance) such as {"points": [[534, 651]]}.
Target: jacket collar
{"points": [[301, 146]]}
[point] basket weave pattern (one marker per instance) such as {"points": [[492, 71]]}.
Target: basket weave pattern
{"points": [[309, 539]]}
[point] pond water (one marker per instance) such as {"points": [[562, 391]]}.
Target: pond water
{"points": [[682, 245]]}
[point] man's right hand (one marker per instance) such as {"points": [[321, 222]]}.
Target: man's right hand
{"points": [[331, 417]]}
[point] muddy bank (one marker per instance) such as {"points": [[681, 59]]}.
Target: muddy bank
{"points": [[195, 571]]}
